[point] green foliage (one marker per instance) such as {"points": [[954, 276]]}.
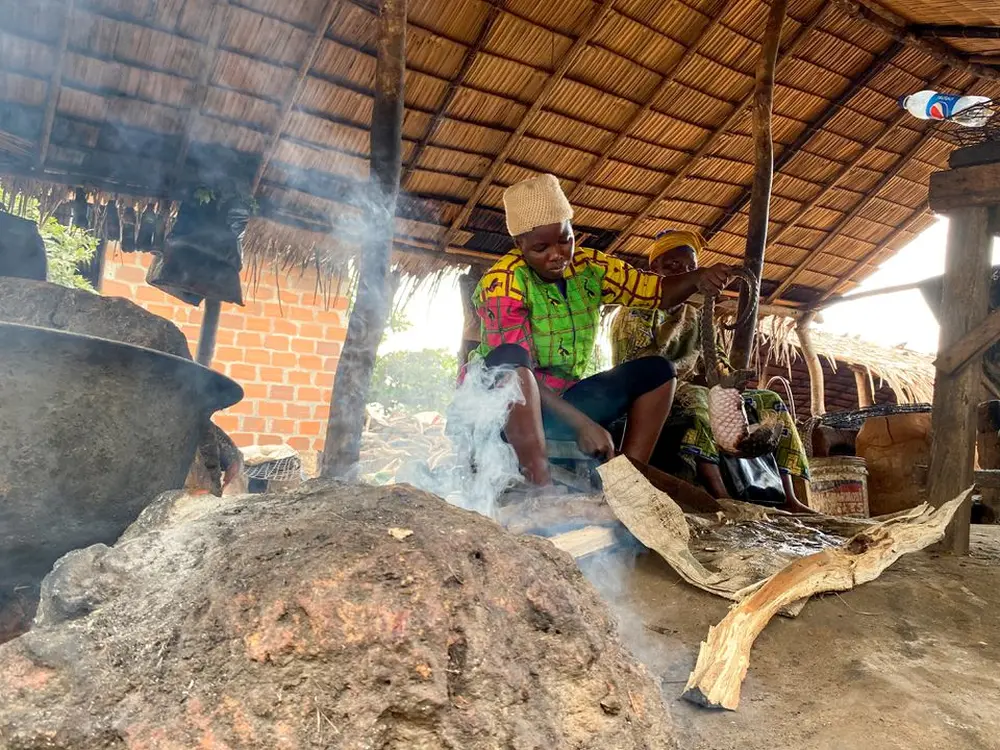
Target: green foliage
{"points": [[65, 247], [415, 381]]}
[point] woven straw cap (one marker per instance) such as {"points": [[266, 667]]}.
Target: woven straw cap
{"points": [[535, 203]]}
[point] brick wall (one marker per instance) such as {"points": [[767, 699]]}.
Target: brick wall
{"points": [[282, 347]]}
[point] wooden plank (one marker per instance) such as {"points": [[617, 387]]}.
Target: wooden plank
{"points": [[293, 92], [964, 304], [375, 291], [981, 153], [724, 655], [760, 201], [587, 541], [565, 63], [973, 344], [55, 85], [866, 391], [978, 185]]}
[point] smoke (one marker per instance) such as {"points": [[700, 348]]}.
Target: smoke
{"points": [[483, 464]]}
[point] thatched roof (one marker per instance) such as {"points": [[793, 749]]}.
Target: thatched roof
{"points": [[639, 106]]}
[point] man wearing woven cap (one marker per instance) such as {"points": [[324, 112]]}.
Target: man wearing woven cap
{"points": [[676, 334], [539, 308]]}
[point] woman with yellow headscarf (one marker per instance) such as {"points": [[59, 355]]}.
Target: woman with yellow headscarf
{"points": [[675, 334]]}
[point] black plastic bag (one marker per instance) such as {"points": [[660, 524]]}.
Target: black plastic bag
{"points": [[756, 480], [22, 251]]}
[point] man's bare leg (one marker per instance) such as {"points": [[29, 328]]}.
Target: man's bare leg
{"points": [[645, 421], [711, 477], [525, 432], [792, 503]]}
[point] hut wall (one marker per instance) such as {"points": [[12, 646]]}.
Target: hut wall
{"points": [[284, 355]]}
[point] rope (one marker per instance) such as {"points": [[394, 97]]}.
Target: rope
{"points": [[708, 338]]}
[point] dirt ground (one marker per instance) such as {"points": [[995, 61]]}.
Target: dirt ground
{"points": [[907, 662]]}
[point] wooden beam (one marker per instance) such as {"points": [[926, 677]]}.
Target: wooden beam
{"points": [[817, 385], [292, 95], [973, 344], [587, 541], [866, 390], [597, 18], [492, 15], [760, 201], [724, 655], [833, 234], [826, 300], [665, 83], [374, 294], [710, 141], [206, 65], [964, 304], [877, 65], [938, 50], [55, 85], [953, 31], [977, 185]]}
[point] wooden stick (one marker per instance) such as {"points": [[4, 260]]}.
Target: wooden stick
{"points": [[760, 201], [599, 14], [964, 304], [725, 654], [866, 390], [587, 541], [973, 344], [293, 93], [374, 296], [954, 31], [55, 84], [817, 387]]}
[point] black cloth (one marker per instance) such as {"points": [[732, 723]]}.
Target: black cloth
{"points": [[604, 397]]}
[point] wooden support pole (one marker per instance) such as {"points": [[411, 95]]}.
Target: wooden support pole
{"points": [[209, 332], [55, 84], [973, 344], [760, 201], [817, 386], [371, 306], [964, 304], [866, 389], [988, 450]]}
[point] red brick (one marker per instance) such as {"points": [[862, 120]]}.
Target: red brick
{"points": [[164, 311], [301, 313], [323, 379], [271, 409], [245, 338], [298, 411], [310, 362], [272, 375], [274, 310], [243, 372], [336, 333], [311, 428], [277, 343], [330, 364], [330, 316], [133, 274], [258, 324], [227, 422], [299, 443], [282, 392], [322, 411], [253, 307], [242, 439], [285, 327], [115, 288], [225, 337], [147, 293], [311, 331], [298, 377], [228, 354], [303, 346], [341, 303], [232, 321], [289, 297], [318, 445], [283, 426], [257, 356], [270, 440], [309, 394], [255, 390], [244, 407], [284, 359], [254, 424], [328, 348]]}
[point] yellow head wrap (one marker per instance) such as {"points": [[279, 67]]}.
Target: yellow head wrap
{"points": [[668, 240]]}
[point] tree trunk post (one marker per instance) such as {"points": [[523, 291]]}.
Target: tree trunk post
{"points": [[866, 389], [817, 384], [371, 307], [964, 304], [760, 198], [209, 332]]}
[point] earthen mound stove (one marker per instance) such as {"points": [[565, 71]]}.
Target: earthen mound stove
{"points": [[331, 616]]}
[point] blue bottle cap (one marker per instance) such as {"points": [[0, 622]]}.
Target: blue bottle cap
{"points": [[902, 100]]}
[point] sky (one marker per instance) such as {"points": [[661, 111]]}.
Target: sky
{"points": [[889, 320]]}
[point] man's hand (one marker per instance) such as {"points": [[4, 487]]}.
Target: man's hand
{"points": [[595, 441], [713, 279]]}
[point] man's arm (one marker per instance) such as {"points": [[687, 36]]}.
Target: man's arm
{"points": [[627, 285], [593, 439]]}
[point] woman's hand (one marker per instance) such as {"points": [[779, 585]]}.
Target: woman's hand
{"points": [[713, 279], [595, 441]]}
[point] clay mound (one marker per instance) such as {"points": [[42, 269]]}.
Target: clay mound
{"points": [[316, 619]]}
